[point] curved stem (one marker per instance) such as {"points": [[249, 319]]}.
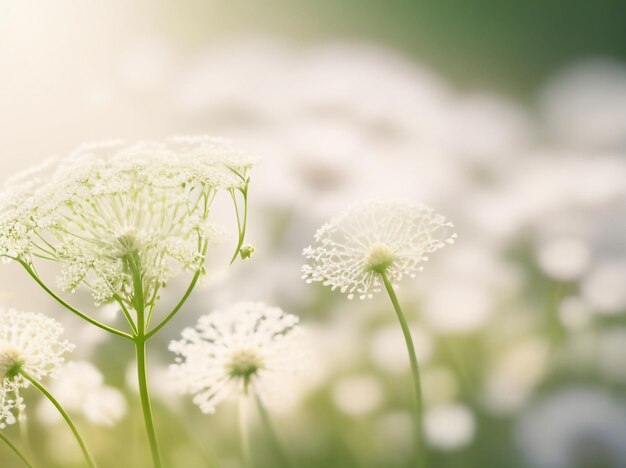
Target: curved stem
{"points": [[175, 310], [140, 348], [15, 450], [182, 301], [241, 225], [419, 432], [69, 307], [129, 319], [24, 433], [69, 422], [244, 435], [269, 427]]}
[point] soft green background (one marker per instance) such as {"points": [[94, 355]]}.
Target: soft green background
{"points": [[492, 44]]}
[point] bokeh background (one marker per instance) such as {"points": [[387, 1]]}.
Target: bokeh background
{"points": [[508, 117]]}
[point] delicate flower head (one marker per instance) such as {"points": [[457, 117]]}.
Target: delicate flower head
{"points": [[247, 346], [110, 207], [31, 342], [373, 237]]}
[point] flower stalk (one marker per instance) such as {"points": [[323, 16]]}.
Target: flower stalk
{"points": [[122, 220], [271, 432], [244, 431], [420, 445], [15, 450], [83, 447]]}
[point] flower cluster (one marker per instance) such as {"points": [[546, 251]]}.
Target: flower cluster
{"points": [[373, 237], [30, 342], [110, 210], [248, 346]]}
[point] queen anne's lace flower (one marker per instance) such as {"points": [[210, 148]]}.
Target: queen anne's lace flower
{"points": [[110, 206], [372, 237], [248, 346], [31, 342]]}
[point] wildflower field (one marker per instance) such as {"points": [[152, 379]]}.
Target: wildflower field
{"points": [[360, 235]]}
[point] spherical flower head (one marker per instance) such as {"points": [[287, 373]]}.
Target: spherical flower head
{"points": [[370, 238], [109, 208], [246, 347], [30, 342]]}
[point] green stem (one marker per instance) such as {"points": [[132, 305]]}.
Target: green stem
{"points": [[15, 450], [419, 408], [241, 225], [244, 435], [69, 422], [174, 311], [133, 263], [69, 307], [269, 427], [140, 348], [183, 299]]}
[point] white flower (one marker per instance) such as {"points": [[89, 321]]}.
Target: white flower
{"points": [[373, 237], [246, 346], [82, 389], [110, 207], [449, 426], [30, 342], [576, 426]]}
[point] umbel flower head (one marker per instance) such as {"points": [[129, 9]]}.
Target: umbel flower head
{"points": [[111, 209], [30, 342], [373, 237], [246, 347]]}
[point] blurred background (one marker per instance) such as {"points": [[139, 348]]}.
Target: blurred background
{"points": [[508, 117]]}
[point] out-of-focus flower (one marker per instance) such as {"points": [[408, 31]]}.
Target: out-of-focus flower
{"points": [[221, 87], [574, 427], [459, 305], [110, 209], [603, 288], [449, 427], [82, 390], [611, 348], [357, 394], [487, 129], [514, 375], [246, 346], [30, 342], [388, 351], [369, 237], [563, 258], [585, 105]]}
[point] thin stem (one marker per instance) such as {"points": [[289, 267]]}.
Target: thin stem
{"points": [[419, 432], [134, 265], [69, 422], [269, 427], [69, 307], [15, 450], [182, 301], [129, 319], [241, 225], [24, 432], [175, 310], [244, 435], [140, 348]]}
